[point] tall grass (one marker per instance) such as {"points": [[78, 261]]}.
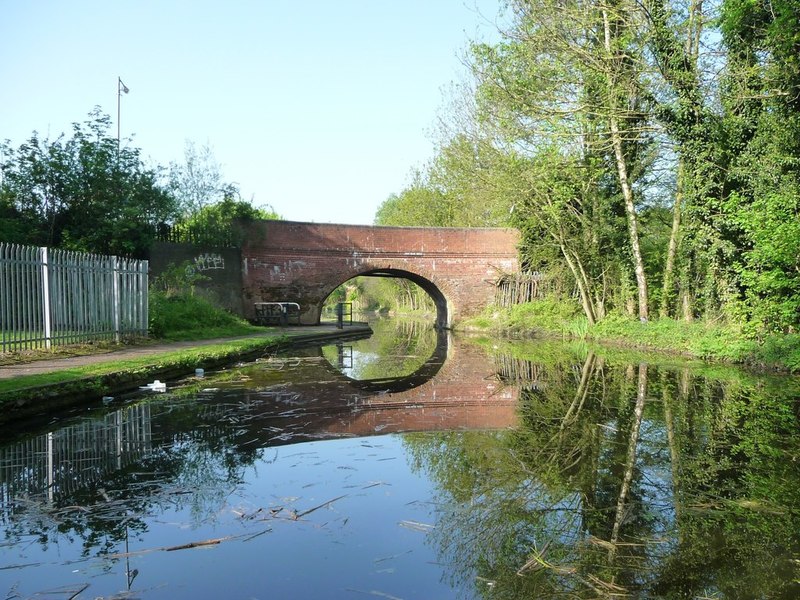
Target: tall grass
{"points": [[178, 313], [699, 339], [186, 317]]}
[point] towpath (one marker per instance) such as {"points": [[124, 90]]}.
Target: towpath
{"points": [[303, 334]]}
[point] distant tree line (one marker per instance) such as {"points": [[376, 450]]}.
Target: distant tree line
{"points": [[648, 151], [88, 192]]}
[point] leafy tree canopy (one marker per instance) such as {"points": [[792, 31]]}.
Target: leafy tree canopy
{"points": [[82, 192], [582, 114]]}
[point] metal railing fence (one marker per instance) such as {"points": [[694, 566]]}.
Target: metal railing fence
{"points": [[52, 297]]}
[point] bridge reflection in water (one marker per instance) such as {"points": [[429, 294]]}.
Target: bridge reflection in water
{"points": [[274, 402]]}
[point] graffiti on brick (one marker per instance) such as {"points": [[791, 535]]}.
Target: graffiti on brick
{"points": [[209, 262]]}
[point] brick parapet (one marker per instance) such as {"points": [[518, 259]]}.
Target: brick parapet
{"points": [[305, 262]]}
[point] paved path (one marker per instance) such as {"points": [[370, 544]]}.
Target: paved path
{"points": [[60, 364]]}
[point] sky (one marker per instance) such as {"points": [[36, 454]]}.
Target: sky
{"points": [[319, 109]]}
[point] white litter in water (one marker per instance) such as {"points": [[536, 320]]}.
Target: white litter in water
{"points": [[156, 386]]}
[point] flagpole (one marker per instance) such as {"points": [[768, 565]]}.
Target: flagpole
{"points": [[121, 87], [119, 102]]}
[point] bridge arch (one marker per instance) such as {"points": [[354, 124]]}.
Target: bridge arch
{"points": [[287, 261], [430, 287]]}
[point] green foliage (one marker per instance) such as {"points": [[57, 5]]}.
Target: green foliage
{"points": [[84, 192], [755, 257], [548, 315], [383, 294], [177, 313], [224, 213], [463, 186], [218, 223], [781, 349], [765, 210], [14, 229], [698, 339], [177, 280], [553, 315], [417, 205], [184, 316]]}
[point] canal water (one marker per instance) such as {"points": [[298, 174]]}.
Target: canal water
{"points": [[415, 464]]}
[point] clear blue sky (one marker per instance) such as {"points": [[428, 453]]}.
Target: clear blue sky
{"points": [[318, 108]]}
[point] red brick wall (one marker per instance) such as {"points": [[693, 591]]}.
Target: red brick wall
{"points": [[304, 262]]}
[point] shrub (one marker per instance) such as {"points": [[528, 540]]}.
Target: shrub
{"points": [[177, 315], [782, 349], [177, 280]]}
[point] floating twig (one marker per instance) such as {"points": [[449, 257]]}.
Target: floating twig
{"points": [[310, 510], [385, 558], [255, 535], [416, 526], [211, 542], [374, 593]]}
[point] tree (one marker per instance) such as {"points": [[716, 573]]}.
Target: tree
{"points": [[419, 204], [620, 108], [646, 148], [231, 208], [683, 105], [15, 227], [564, 88], [462, 186], [198, 181], [735, 216], [565, 208], [83, 192], [761, 203], [209, 206], [216, 224]]}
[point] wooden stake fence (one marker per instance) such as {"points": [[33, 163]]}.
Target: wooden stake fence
{"points": [[518, 289]]}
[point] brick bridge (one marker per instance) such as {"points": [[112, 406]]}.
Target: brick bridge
{"points": [[305, 262]]}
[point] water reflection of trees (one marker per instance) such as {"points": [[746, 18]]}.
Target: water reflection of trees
{"points": [[629, 479]]}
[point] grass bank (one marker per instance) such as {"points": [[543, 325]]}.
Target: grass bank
{"points": [[48, 391], [178, 317], [698, 339]]}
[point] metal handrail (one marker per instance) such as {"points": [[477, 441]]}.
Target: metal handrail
{"points": [[263, 317]]}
